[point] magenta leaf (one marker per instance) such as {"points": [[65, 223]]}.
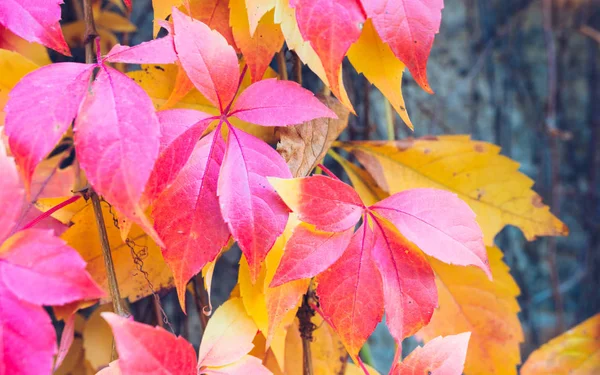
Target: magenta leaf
{"points": [[27, 337], [11, 194], [271, 102], [35, 21], [256, 215], [180, 130], [117, 140], [187, 214], [66, 340], [210, 63], [439, 223], [41, 108], [157, 51]]}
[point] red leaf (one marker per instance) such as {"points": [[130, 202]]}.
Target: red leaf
{"points": [[41, 108], [330, 26], [117, 142], [54, 272], [157, 51], [215, 14], [250, 206], [27, 337], [180, 130], [128, 4], [35, 21], [350, 293], [150, 350], [309, 252], [409, 289], [442, 355], [187, 214], [329, 204], [409, 28], [439, 223], [278, 103], [11, 194], [210, 63]]}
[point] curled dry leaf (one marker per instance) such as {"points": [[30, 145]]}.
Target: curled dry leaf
{"points": [[305, 145]]}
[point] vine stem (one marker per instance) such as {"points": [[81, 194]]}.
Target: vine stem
{"points": [[113, 286], [51, 211], [305, 313]]}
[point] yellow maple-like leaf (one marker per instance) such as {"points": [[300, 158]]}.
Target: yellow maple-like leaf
{"points": [[258, 48], [98, 339], [286, 17], [271, 308], [575, 352], [159, 81], [256, 10], [376, 61], [488, 182], [329, 355], [470, 302], [13, 66], [133, 282]]}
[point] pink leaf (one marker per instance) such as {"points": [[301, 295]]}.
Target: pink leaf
{"points": [[66, 339], [35, 21], [117, 141], [150, 350], [41, 108], [309, 252], [180, 130], [210, 63], [27, 337], [271, 102], [187, 214], [409, 28], [439, 223], [442, 355], [128, 4], [11, 194], [55, 272], [409, 290], [157, 51], [250, 206], [350, 292], [330, 27], [327, 203], [248, 365]]}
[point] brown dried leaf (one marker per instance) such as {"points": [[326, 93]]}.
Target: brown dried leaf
{"points": [[305, 145]]}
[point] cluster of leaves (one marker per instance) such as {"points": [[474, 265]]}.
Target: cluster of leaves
{"points": [[427, 210]]}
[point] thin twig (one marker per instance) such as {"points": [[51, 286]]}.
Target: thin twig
{"points": [[90, 32], [305, 314], [297, 68], [200, 299], [282, 65]]}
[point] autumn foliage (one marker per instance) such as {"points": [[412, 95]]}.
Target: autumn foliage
{"points": [[118, 184]]}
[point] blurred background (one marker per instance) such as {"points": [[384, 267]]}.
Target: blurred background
{"points": [[523, 74]]}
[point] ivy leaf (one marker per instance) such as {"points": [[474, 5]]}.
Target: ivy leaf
{"points": [[47, 101], [211, 65], [117, 140], [409, 28], [331, 27], [254, 212], [324, 202], [144, 349], [442, 355], [439, 223], [35, 21], [352, 313], [187, 214], [271, 102]]}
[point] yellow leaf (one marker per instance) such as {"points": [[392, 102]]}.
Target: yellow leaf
{"points": [[114, 22], [74, 32], [34, 52], [133, 282], [353, 369], [13, 66], [258, 49], [162, 8], [470, 302], [256, 10], [74, 362], [488, 182], [373, 58], [98, 339], [286, 17], [575, 352], [328, 353], [159, 81]]}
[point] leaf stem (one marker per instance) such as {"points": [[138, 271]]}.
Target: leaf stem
{"points": [[200, 299], [52, 210], [389, 119], [90, 32], [305, 313], [328, 172], [366, 355]]}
